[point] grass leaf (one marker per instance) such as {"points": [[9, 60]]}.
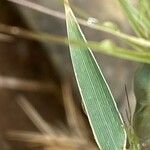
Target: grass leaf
{"points": [[102, 112], [99, 27], [139, 22], [105, 46], [144, 6]]}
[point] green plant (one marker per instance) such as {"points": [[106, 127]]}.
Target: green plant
{"points": [[98, 101], [142, 93], [94, 90], [139, 19], [99, 104], [138, 45]]}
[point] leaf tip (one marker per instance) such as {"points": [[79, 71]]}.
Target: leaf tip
{"points": [[66, 2]]}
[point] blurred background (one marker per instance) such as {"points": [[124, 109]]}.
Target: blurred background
{"points": [[40, 106]]}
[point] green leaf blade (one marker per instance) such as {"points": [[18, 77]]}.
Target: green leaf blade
{"points": [[103, 115]]}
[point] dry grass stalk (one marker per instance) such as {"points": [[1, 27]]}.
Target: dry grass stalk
{"points": [[6, 38], [26, 85], [73, 114], [50, 138], [38, 121]]}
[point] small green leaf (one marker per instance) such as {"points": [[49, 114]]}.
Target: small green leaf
{"points": [[144, 6], [139, 22], [101, 109]]}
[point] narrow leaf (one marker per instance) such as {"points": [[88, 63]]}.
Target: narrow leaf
{"points": [[144, 6], [103, 115], [139, 23], [106, 46], [139, 41]]}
